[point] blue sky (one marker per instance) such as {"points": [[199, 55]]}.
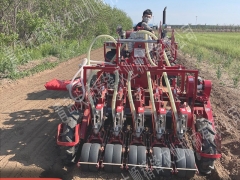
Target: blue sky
{"points": [[183, 11]]}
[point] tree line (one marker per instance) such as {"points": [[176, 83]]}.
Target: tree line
{"points": [[210, 28], [48, 24]]}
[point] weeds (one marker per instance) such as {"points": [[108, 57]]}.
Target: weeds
{"points": [[10, 60], [236, 81], [200, 57], [220, 49], [219, 72], [227, 62], [211, 58]]}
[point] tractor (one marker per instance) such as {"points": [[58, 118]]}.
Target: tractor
{"points": [[138, 110]]}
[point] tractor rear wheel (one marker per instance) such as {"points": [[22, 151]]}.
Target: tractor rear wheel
{"points": [[93, 80], [110, 55], [206, 165], [67, 155], [204, 126]]}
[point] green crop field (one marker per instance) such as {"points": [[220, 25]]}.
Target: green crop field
{"points": [[219, 49]]}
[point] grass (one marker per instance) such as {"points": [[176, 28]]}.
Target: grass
{"points": [[219, 49], [11, 59]]}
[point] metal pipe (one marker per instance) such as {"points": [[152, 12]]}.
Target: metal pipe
{"points": [[164, 15], [130, 99], [81, 79], [134, 40]]}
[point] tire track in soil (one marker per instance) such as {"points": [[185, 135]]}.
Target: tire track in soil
{"points": [[42, 97], [36, 133], [28, 117], [26, 108]]}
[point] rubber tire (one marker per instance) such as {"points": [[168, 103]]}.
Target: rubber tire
{"points": [[180, 162], [132, 156], [85, 155], [93, 80], [190, 162], [110, 55], [157, 159], [166, 161], [108, 156], [70, 133], [117, 157], [204, 164], [141, 155], [109, 78], [66, 157], [93, 157]]}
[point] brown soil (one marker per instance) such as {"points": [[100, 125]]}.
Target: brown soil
{"points": [[29, 123], [223, 99]]}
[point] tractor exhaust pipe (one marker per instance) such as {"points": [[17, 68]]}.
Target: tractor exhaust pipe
{"points": [[164, 15], [164, 32]]}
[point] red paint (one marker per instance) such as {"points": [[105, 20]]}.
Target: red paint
{"points": [[76, 137], [99, 106], [30, 178], [85, 123], [140, 110], [119, 109]]}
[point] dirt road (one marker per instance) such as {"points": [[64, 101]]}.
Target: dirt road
{"points": [[29, 123]]}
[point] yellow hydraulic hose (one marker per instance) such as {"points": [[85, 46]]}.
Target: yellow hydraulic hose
{"points": [[103, 36], [114, 97], [130, 95], [98, 37], [89, 62], [129, 74], [166, 58], [138, 32], [146, 44], [146, 47], [164, 74], [148, 55], [170, 95], [151, 95]]}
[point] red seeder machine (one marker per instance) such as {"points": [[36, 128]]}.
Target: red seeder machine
{"points": [[138, 109]]}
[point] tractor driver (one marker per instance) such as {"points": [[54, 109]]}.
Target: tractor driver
{"points": [[147, 15]]}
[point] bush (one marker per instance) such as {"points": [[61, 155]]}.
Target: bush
{"points": [[60, 28]]}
